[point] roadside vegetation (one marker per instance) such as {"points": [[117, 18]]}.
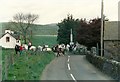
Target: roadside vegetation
{"points": [[28, 66]]}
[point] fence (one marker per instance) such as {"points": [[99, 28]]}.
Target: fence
{"points": [[8, 61]]}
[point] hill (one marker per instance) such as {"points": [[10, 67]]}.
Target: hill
{"points": [[49, 29]]}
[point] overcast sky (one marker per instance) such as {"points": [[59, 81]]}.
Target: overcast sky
{"points": [[53, 11]]}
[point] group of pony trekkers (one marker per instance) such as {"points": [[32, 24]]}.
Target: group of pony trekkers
{"points": [[58, 49], [19, 48]]}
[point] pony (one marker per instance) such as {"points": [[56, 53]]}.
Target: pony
{"points": [[33, 48], [59, 49], [25, 46], [17, 49], [40, 48], [47, 49]]}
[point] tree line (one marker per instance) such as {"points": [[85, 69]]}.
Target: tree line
{"points": [[84, 32]]}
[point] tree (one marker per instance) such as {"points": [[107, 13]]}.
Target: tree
{"points": [[22, 23], [64, 29], [89, 32]]}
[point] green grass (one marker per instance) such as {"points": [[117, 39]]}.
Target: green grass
{"points": [[31, 68], [28, 67], [42, 40], [5, 52], [50, 29]]}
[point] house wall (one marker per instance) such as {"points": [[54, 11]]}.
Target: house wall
{"points": [[112, 49], [111, 30], [5, 44]]}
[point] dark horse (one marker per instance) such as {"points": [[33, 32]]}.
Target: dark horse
{"points": [[17, 49]]}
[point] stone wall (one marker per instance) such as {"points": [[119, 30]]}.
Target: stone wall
{"points": [[109, 67], [112, 50]]}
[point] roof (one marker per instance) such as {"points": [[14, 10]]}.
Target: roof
{"points": [[111, 30], [9, 34]]}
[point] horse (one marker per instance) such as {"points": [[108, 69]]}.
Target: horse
{"points": [[17, 48], [47, 49], [33, 48], [40, 48], [67, 47], [59, 49], [25, 46]]}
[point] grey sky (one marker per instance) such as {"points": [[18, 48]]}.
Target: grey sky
{"points": [[53, 11]]}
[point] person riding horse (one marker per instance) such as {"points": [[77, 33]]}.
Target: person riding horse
{"points": [[17, 48], [59, 49]]}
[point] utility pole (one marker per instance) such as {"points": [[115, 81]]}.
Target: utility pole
{"points": [[102, 20]]}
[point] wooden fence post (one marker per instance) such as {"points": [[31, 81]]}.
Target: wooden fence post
{"points": [[12, 59], [6, 67], [0, 64]]}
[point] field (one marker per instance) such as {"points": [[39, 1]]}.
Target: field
{"points": [[42, 40], [50, 29]]}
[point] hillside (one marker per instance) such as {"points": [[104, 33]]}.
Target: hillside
{"points": [[49, 29]]}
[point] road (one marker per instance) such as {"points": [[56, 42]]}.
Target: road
{"points": [[72, 67]]}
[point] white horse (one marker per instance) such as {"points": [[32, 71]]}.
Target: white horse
{"points": [[67, 47], [40, 48], [47, 49], [33, 48], [25, 46]]}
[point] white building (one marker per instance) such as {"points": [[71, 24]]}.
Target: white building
{"points": [[9, 31], [8, 40]]}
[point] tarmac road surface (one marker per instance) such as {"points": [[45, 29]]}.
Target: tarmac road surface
{"points": [[72, 67]]}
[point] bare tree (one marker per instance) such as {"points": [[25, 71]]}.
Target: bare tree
{"points": [[22, 22]]}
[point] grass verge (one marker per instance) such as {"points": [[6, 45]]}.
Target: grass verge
{"points": [[29, 67]]}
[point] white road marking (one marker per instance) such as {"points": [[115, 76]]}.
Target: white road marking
{"points": [[73, 77], [68, 66], [69, 69]]}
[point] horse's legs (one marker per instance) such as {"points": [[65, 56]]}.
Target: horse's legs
{"points": [[62, 53], [57, 54], [16, 51]]}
